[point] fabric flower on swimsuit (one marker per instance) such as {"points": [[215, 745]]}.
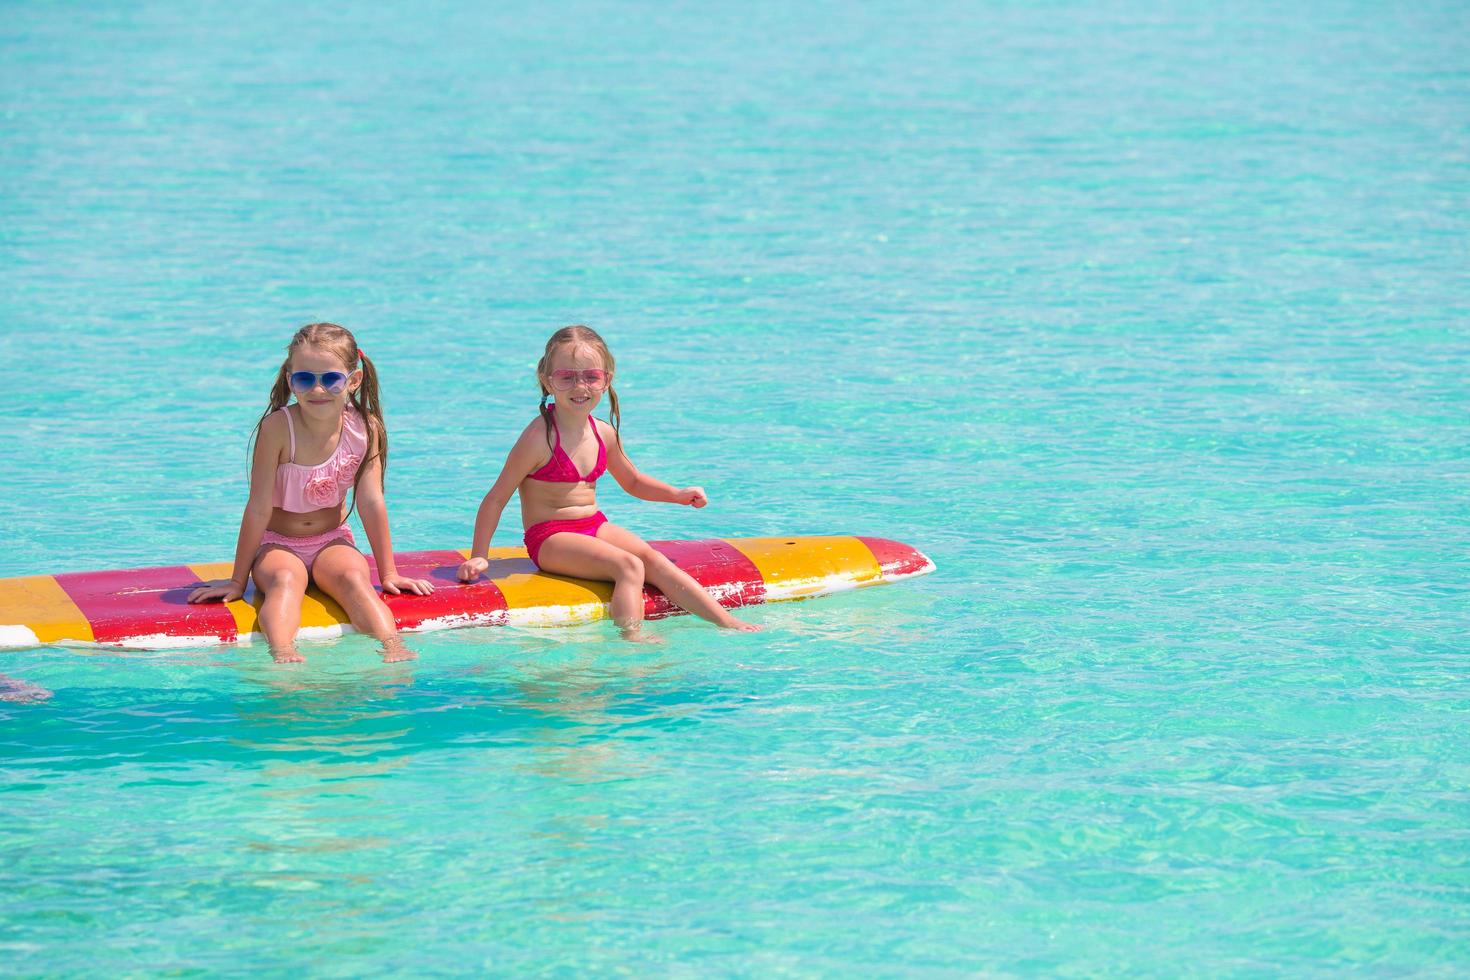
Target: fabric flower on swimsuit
{"points": [[347, 469], [338, 483], [321, 490]]}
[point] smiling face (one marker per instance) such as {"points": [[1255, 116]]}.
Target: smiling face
{"points": [[323, 363], [570, 377]]}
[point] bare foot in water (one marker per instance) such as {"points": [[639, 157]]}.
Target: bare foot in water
{"points": [[287, 655], [738, 625], [394, 651], [639, 635]]}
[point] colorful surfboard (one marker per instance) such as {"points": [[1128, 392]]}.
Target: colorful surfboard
{"points": [[146, 608]]}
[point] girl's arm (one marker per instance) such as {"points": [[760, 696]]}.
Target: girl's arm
{"points": [[641, 485], [525, 456], [257, 514], [373, 511]]}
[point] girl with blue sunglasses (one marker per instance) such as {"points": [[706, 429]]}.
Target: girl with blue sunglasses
{"points": [[295, 526]]}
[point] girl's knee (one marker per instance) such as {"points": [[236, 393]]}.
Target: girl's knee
{"points": [[345, 580], [658, 568], [630, 566], [281, 582]]}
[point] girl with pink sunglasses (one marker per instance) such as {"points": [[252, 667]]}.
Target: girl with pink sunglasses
{"points": [[295, 526], [555, 465]]}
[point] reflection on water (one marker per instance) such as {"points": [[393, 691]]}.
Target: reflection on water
{"points": [[576, 698], [583, 707], [17, 690]]}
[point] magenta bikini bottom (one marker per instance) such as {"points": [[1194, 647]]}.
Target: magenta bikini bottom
{"points": [[537, 534]]}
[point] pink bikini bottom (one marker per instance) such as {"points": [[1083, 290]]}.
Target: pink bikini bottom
{"points": [[537, 534], [307, 548]]}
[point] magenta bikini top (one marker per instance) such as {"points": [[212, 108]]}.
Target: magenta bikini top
{"points": [[560, 469], [301, 489]]}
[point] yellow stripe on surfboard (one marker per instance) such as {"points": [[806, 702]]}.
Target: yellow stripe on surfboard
{"points": [[534, 597], [318, 610], [794, 568], [40, 604]]}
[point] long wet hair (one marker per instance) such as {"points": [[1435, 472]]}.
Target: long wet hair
{"points": [[338, 341], [577, 336]]}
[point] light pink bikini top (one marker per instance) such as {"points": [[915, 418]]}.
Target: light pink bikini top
{"points": [[301, 489]]}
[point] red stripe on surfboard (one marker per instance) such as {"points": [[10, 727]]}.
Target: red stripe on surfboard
{"points": [[480, 602], [716, 565], [125, 605], [896, 558]]}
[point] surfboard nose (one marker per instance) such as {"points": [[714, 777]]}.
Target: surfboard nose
{"points": [[896, 559]]}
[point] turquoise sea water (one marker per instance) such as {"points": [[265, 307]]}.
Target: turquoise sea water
{"points": [[1147, 321]]}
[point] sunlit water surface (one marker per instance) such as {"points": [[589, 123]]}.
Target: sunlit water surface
{"points": [[1146, 321]]}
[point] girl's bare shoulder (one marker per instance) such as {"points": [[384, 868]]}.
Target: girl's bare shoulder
{"points": [[534, 430], [273, 427], [271, 438]]}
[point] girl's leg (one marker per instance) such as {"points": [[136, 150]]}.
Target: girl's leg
{"points": [[342, 572], [672, 580], [581, 556], [281, 578]]}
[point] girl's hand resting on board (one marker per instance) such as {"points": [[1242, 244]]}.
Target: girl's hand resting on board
{"points": [[399, 584], [221, 590], [473, 569]]}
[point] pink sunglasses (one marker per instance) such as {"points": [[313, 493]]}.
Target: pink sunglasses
{"points": [[596, 379]]}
